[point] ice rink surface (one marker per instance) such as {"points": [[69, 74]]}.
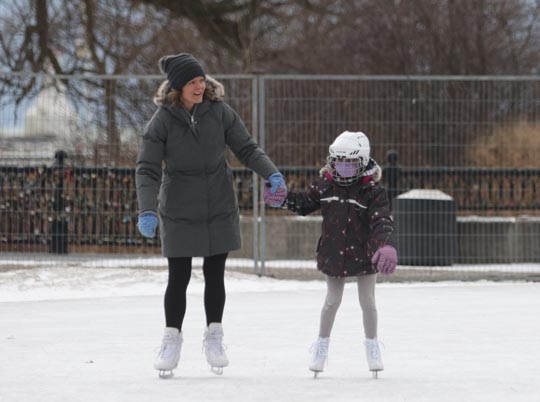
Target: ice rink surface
{"points": [[70, 334]]}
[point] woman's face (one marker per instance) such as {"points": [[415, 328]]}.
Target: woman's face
{"points": [[193, 92]]}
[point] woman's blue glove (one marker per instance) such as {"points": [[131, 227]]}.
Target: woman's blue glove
{"points": [[275, 191], [276, 181], [147, 224]]}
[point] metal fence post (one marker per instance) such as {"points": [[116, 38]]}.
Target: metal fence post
{"points": [[59, 229], [262, 237], [255, 179], [392, 174]]}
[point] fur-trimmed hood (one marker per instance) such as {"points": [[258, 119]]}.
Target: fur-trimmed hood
{"points": [[214, 91]]}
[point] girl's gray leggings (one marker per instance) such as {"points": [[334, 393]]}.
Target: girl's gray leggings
{"points": [[366, 296]]}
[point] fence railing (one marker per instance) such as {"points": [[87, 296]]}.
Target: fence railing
{"points": [[97, 206]]}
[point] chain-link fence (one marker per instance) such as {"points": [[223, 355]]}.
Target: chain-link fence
{"points": [[458, 155]]}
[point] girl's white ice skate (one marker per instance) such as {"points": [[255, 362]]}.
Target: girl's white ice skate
{"points": [[319, 355], [373, 354], [214, 349], [169, 353]]}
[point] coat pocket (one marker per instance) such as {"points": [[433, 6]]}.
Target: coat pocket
{"points": [[182, 198]]}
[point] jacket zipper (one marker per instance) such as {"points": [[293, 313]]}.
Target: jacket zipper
{"points": [[194, 129], [192, 120]]}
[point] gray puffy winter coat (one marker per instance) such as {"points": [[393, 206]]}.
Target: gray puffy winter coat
{"points": [[182, 172]]}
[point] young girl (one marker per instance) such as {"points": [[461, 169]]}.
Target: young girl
{"points": [[356, 237]]}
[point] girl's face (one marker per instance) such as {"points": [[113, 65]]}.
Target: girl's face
{"points": [[193, 92]]}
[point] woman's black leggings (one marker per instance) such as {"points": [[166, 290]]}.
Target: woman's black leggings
{"points": [[214, 289]]}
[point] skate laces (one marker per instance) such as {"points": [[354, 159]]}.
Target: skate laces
{"points": [[169, 347], [319, 349], [213, 343], [373, 347], [167, 351]]}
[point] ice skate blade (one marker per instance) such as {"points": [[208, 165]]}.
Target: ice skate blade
{"points": [[166, 374], [316, 373], [375, 374], [217, 370]]}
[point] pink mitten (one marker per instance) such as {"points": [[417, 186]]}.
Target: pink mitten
{"points": [[276, 199], [386, 260]]}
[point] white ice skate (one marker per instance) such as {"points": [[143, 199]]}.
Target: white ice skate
{"points": [[373, 354], [169, 353], [214, 349], [319, 355]]}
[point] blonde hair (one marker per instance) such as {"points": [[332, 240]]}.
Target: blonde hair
{"points": [[175, 97], [166, 94]]}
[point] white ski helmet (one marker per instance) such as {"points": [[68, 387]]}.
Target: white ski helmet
{"points": [[348, 157]]}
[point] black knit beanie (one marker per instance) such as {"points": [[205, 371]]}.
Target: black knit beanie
{"points": [[180, 69]]}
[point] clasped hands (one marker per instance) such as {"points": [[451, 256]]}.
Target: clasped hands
{"points": [[275, 190]]}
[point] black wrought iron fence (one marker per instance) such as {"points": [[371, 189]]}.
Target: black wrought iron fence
{"points": [[95, 209], [49, 207], [480, 190]]}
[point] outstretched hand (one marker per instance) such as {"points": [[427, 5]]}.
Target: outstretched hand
{"points": [[386, 259]]}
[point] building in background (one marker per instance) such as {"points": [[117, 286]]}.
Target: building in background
{"points": [[50, 123]]}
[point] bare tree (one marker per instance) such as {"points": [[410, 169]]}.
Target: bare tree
{"points": [[250, 34], [100, 38], [324, 36], [445, 37]]}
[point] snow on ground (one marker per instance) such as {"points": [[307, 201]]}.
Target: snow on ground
{"points": [[89, 334], [45, 260]]}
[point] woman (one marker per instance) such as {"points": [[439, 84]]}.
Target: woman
{"points": [[185, 183]]}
